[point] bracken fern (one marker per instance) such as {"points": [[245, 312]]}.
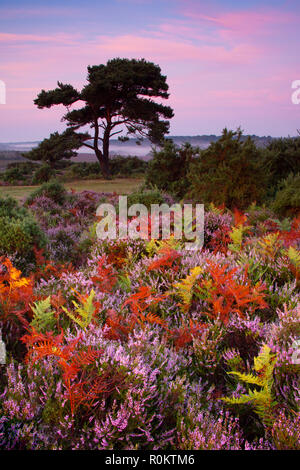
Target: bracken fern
{"points": [[262, 400]]}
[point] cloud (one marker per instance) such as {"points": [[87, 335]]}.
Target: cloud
{"points": [[223, 67], [9, 38], [242, 23], [176, 50], [8, 13]]}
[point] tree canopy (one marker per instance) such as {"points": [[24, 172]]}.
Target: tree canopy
{"points": [[56, 147], [120, 97]]}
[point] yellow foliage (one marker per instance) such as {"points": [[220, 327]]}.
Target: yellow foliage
{"points": [[185, 287], [270, 245], [262, 399], [84, 312], [155, 246]]}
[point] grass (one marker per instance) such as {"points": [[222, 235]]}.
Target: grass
{"points": [[118, 185]]}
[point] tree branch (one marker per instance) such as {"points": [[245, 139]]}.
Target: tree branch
{"points": [[88, 145], [118, 132]]}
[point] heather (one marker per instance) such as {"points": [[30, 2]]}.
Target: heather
{"points": [[141, 344]]}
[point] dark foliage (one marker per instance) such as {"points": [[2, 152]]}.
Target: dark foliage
{"points": [[228, 172], [118, 93], [169, 167]]}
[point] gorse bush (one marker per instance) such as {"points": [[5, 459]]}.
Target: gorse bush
{"points": [[9, 208], [287, 198], [169, 167], [228, 172], [19, 172], [119, 166], [280, 159]]}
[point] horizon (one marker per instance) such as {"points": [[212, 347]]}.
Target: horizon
{"points": [[226, 65], [168, 136]]}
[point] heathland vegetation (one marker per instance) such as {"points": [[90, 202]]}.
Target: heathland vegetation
{"points": [[139, 343]]}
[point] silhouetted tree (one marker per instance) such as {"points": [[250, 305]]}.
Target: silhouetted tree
{"points": [[119, 93], [57, 147]]}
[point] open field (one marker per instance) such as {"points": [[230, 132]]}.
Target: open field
{"points": [[118, 185]]}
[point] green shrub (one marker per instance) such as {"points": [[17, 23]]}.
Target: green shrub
{"points": [[287, 199], [18, 171], [169, 168], [146, 197], [43, 174], [127, 166], [228, 172], [53, 190], [12, 175], [280, 159], [83, 170], [119, 166], [9, 208], [19, 232], [24, 166]]}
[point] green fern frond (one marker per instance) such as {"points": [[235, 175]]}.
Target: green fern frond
{"points": [[43, 318], [84, 312], [248, 378], [262, 400], [124, 282], [236, 236], [252, 396], [154, 245], [294, 257]]}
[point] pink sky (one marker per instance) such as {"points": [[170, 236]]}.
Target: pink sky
{"points": [[226, 66]]}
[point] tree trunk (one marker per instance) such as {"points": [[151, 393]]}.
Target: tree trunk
{"points": [[102, 156], [105, 152], [103, 164]]}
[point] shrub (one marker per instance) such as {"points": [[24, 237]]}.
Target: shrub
{"points": [[127, 166], [9, 208], [83, 169], [43, 174], [281, 157], [120, 166], [19, 232], [169, 167], [146, 197], [19, 171], [52, 190], [228, 172], [287, 199], [12, 175], [66, 222]]}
